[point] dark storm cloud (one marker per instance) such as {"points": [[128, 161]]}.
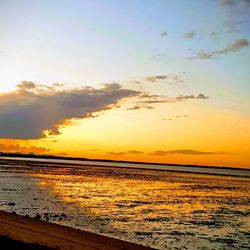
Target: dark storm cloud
{"points": [[33, 108]]}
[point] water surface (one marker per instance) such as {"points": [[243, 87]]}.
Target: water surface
{"points": [[164, 210]]}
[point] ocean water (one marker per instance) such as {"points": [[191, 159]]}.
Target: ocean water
{"points": [[164, 210]]}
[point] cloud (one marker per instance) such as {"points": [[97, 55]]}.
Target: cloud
{"points": [[238, 44], [164, 34], [185, 97], [147, 100], [170, 79], [234, 2], [158, 57], [57, 84], [137, 107], [34, 110], [184, 152], [237, 14], [129, 152], [188, 35], [227, 2], [175, 117], [16, 148], [236, 8], [155, 78], [233, 47], [232, 26], [26, 85], [215, 35]]}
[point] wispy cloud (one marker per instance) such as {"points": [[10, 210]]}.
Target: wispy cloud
{"points": [[237, 13], [170, 79], [158, 57], [232, 26], [164, 33], [138, 107], [34, 108], [155, 78], [185, 97], [188, 35], [129, 152], [233, 47], [184, 152], [174, 117], [234, 2], [213, 34], [145, 101]]}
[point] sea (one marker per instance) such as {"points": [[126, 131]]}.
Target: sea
{"points": [[164, 207]]}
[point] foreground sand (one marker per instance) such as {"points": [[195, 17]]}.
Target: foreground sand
{"points": [[55, 236]]}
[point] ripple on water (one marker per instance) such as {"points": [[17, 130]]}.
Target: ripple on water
{"points": [[162, 210]]}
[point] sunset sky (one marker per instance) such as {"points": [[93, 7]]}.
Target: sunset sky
{"points": [[141, 80]]}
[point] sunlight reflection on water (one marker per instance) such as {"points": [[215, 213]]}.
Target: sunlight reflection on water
{"points": [[160, 209]]}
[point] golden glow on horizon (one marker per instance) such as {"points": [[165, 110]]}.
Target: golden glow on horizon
{"points": [[121, 131]]}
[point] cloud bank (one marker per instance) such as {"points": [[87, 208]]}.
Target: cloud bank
{"points": [[16, 148], [34, 108]]}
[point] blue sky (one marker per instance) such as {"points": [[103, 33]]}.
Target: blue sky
{"points": [[96, 41]]}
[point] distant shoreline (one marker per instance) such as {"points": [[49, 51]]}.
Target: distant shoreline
{"points": [[17, 155], [77, 163]]}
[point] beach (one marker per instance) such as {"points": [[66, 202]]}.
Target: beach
{"points": [[159, 209], [54, 236]]}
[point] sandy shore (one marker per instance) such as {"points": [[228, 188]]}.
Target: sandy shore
{"points": [[55, 236]]}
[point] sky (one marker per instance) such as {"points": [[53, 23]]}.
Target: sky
{"points": [[138, 80]]}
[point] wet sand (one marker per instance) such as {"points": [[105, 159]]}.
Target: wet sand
{"points": [[33, 231]]}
